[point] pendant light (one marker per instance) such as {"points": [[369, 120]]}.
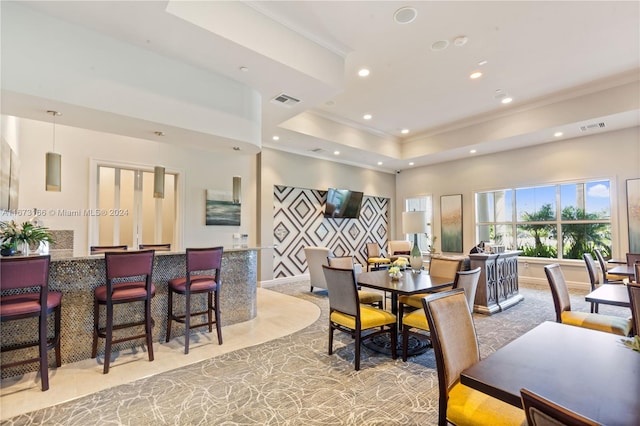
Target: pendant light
{"points": [[53, 162], [158, 176]]}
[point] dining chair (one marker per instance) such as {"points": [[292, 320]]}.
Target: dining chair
{"points": [[347, 262], [543, 412], [128, 280], [27, 281], [564, 314], [632, 258], [594, 277], [203, 271], [634, 301], [466, 280], [455, 346], [316, 257], [103, 249], [156, 247], [375, 257], [346, 314], [438, 267], [399, 248], [607, 278]]}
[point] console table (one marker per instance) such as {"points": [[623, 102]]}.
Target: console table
{"points": [[498, 285]]}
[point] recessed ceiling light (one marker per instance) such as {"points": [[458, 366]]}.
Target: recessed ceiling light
{"points": [[330, 103], [483, 62], [244, 69], [276, 138], [460, 41], [367, 116], [507, 100], [336, 152], [558, 134], [440, 45], [404, 131], [411, 163], [379, 163], [405, 15], [236, 148], [364, 72], [158, 133], [475, 74], [473, 151]]}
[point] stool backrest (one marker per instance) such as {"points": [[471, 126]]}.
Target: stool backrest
{"points": [[23, 272], [204, 259], [124, 264], [156, 247], [104, 249]]}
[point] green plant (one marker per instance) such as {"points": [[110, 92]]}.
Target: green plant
{"points": [[12, 234]]}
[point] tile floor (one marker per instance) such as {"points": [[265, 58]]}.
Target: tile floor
{"points": [[274, 319]]}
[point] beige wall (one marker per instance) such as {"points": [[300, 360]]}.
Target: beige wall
{"points": [[613, 155]]}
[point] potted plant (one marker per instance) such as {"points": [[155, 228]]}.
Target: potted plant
{"points": [[15, 237]]}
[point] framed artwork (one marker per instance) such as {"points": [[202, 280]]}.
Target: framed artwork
{"points": [[451, 223], [220, 209], [633, 214]]}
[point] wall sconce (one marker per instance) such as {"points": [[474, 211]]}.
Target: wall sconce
{"points": [[53, 162], [237, 189], [158, 182]]}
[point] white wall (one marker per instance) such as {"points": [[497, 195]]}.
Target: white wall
{"points": [[613, 155], [199, 170]]}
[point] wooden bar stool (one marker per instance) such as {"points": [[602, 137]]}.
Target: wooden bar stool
{"points": [[20, 273], [200, 263], [128, 280]]}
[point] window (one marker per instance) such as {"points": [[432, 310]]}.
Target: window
{"points": [[553, 221], [421, 204], [128, 213]]}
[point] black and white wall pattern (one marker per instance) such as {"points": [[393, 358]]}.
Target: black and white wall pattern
{"points": [[299, 222]]}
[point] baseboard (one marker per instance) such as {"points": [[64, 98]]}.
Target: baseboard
{"points": [[283, 280], [543, 283]]}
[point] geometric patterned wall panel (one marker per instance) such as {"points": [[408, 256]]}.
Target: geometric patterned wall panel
{"points": [[298, 221]]}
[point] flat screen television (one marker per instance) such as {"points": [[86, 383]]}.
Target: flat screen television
{"points": [[343, 204]]}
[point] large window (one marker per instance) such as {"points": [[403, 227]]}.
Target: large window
{"points": [[554, 221], [422, 204]]}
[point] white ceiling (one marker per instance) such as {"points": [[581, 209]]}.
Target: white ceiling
{"points": [[540, 53]]}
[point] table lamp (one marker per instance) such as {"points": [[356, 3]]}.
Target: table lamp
{"points": [[415, 223]]}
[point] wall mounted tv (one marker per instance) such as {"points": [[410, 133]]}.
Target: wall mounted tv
{"points": [[343, 203]]}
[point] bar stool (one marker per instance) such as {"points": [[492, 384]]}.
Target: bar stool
{"points": [[128, 280], [19, 273], [200, 262]]}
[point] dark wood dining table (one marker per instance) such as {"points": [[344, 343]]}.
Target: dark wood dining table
{"points": [[622, 270], [587, 371], [610, 294]]}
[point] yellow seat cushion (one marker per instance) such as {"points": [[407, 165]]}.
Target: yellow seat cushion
{"points": [[370, 317], [606, 323], [378, 260], [414, 300], [416, 319], [467, 406], [369, 297], [614, 277]]}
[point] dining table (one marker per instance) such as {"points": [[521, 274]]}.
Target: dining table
{"points": [[627, 270], [587, 371], [610, 294], [410, 283]]}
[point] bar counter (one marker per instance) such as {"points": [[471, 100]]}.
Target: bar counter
{"points": [[77, 278]]}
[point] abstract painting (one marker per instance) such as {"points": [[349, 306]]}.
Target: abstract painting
{"points": [[633, 212], [451, 223], [221, 210]]}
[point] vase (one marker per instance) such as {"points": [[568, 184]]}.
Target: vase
{"points": [[415, 258], [24, 248], [8, 251]]}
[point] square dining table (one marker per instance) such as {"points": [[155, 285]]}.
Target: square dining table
{"points": [[587, 371], [610, 294]]}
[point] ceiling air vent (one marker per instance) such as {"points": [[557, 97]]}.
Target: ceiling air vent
{"points": [[592, 126], [285, 100]]}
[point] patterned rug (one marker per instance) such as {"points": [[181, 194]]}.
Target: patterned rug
{"points": [[292, 380]]}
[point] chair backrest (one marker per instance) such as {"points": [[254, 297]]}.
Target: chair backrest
{"points": [[373, 250], [204, 259], [402, 247], [341, 262], [103, 249], [23, 272], [468, 281], [594, 275], [316, 257], [637, 272], [559, 290], [343, 290], [454, 339], [634, 300], [632, 258], [156, 247], [125, 264], [542, 412], [444, 267]]}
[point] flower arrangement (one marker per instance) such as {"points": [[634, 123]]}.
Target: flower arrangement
{"points": [[12, 234], [394, 272], [400, 262]]}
